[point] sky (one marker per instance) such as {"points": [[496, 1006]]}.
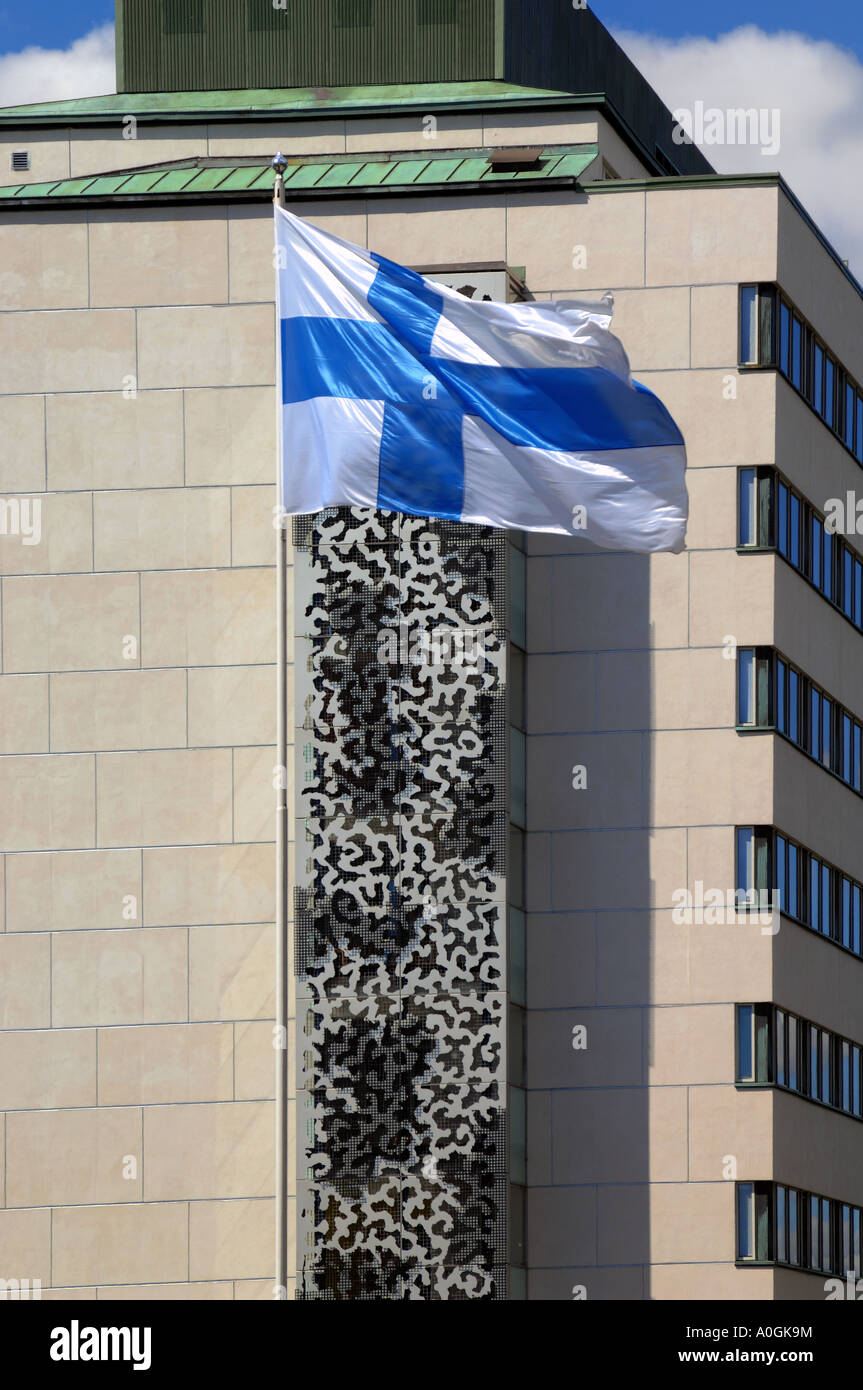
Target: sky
{"points": [[799, 63], [840, 21]]}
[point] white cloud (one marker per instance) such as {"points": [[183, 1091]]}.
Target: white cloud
{"points": [[816, 87], [84, 69]]}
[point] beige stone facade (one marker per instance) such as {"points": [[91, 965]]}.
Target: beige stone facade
{"points": [[138, 717], [137, 731]]}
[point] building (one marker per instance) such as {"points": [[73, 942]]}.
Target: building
{"points": [[516, 1072]]}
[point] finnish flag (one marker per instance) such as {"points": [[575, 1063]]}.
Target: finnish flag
{"points": [[401, 394]]}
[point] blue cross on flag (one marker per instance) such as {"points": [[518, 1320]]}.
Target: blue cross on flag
{"points": [[401, 394]]}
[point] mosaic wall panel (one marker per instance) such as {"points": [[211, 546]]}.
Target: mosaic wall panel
{"points": [[399, 907]]}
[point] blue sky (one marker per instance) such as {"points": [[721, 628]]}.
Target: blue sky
{"points": [[49, 23], [840, 21]]}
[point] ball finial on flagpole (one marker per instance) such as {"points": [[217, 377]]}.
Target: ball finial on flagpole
{"points": [[279, 165]]}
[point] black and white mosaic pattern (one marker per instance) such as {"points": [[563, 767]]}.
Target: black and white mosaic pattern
{"points": [[400, 907]]}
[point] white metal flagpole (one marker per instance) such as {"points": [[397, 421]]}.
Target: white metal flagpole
{"points": [[283, 1261]]}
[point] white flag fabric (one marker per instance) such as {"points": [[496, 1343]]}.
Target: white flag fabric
{"points": [[401, 394]]}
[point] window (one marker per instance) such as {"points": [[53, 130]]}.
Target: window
{"points": [[749, 325], [756, 487], [745, 1043], [845, 1078], [771, 514], [817, 547], [828, 551], [786, 1242], [757, 326], [827, 708], [829, 392], [796, 351], [782, 1224], [773, 334], [846, 912], [20, 161], [794, 511], [753, 1043], [754, 1221], [814, 1088], [826, 901], [814, 743], [821, 1234], [793, 704], [808, 890], [803, 1230], [745, 1221], [781, 696], [850, 1247], [784, 337], [770, 692], [793, 1228], [807, 345], [778, 1048], [746, 687], [782, 521], [793, 1049], [754, 687], [753, 864]]}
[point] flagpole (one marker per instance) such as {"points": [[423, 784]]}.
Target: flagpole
{"points": [[283, 1262]]}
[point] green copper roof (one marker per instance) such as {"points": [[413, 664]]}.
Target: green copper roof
{"points": [[215, 180], [285, 102]]}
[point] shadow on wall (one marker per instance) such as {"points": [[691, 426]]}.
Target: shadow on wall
{"points": [[588, 894]]}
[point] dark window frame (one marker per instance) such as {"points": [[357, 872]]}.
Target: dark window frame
{"points": [[761, 515], [774, 852], [773, 1032], [769, 1206], [786, 342], [828, 733]]}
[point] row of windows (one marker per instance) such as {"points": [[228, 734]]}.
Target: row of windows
{"points": [[776, 1048], [782, 1225], [773, 694], [772, 515], [774, 334], [814, 893]]}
